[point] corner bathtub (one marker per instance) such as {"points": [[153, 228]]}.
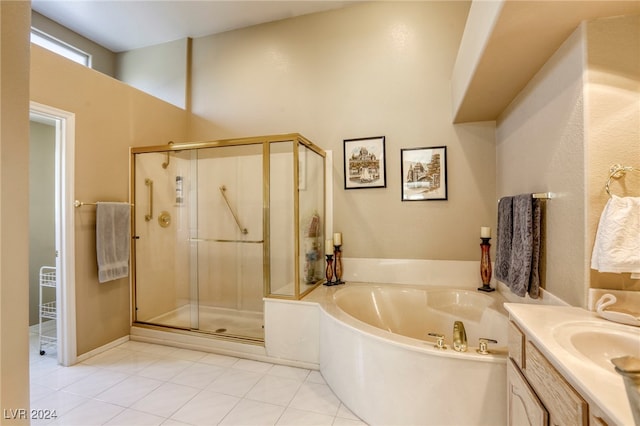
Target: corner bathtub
{"points": [[377, 356]]}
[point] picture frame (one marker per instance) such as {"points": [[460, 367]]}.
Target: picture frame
{"points": [[365, 163], [424, 173]]}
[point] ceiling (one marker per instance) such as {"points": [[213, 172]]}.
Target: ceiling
{"points": [[126, 25]]}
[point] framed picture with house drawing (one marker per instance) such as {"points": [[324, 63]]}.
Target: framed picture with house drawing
{"points": [[424, 173], [364, 163]]}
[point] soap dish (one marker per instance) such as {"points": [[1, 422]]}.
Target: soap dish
{"points": [[620, 316]]}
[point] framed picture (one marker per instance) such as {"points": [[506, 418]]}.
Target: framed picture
{"points": [[364, 163], [424, 173]]}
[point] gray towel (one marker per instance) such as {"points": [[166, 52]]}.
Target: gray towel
{"points": [[534, 281], [113, 226], [505, 235], [521, 244]]}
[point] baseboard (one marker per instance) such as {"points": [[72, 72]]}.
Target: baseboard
{"points": [[101, 349]]}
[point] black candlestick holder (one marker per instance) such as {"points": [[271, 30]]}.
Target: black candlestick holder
{"points": [[337, 265], [329, 271], [485, 265]]}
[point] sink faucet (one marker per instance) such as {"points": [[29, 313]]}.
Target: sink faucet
{"points": [[459, 337]]}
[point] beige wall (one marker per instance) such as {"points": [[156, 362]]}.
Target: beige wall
{"points": [[380, 68], [613, 120], [160, 70], [14, 205], [42, 241], [540, 148], [110, 118], [578, 116]]}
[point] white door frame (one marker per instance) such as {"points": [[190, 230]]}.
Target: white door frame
{"points": [[65, 238]]}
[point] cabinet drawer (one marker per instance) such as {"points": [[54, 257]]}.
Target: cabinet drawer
{"points": [[565, 405], [516, 344], [523, 406]]}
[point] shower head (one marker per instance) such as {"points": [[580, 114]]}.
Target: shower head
{"points": [[166, 163]]}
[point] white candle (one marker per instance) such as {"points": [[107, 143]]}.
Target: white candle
{"points": [[328, 247], [485, 232], [337, 238]]}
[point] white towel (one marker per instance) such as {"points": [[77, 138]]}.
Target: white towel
{"points": [[112, 240], [617, 245]]}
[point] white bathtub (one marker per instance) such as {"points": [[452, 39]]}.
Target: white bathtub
{"points": [[376, 355]]}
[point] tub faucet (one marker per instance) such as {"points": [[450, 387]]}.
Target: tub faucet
{"points": [[459, 337]]}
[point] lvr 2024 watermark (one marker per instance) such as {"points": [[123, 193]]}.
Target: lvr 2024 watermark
{"points": [[24, 414]]}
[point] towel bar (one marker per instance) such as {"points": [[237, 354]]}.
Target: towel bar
{"points": [[616, 172], [540, 195], [78, 203]]}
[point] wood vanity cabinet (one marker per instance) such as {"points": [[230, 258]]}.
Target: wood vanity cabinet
{"points": [[537, 393]]}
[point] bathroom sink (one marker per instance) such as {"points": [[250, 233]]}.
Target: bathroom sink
{"points": [[598, 342]]}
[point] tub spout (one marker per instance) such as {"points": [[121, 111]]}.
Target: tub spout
{"points": [[459, 337]]}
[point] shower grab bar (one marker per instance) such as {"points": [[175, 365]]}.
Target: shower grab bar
{"points": [[214, 240], [222, 191], [149, 183]]}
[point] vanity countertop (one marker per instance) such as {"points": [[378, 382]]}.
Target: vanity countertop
{"points": [[595, 378]]}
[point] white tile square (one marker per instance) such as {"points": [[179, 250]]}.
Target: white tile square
{"points": [[341, 421], [170, 422], [64, 376], [165, 400], [129, 391], [164, 369], [130, 417], [133, 362], [198, 375], [43, 366], [251, 365], [37, 391], [315, 377], [274, 390], [221, 360], [90, 413], [59, 401], [253, 413], [187, 354], [317, 398], [206, 408], [345, 413], [96, 383], [295, 417], [235, 382], [289, 372]]}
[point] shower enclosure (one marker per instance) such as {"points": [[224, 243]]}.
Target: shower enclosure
{"points": [[220, 225]]}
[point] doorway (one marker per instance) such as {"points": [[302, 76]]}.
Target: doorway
{"points": [[51, 228]]}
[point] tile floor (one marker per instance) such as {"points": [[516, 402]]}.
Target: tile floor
{"points": [[145, 384]]}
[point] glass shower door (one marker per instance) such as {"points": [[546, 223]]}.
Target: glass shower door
{"points": [[163, 281], [229, 235], [199, 240]]}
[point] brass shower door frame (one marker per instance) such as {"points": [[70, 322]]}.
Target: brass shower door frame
{"points": [[266, 141]]}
